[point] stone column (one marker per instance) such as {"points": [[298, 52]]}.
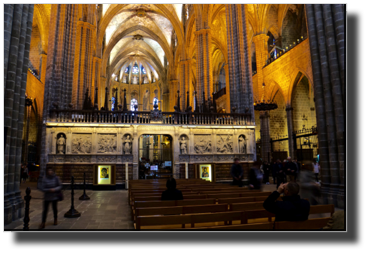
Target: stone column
{"points": [[327, 43], [289, 117], [204, 66], [261, 53], [265, 136], [60, 66], [43, 67], [228, 106], [83, 63], [135, 153], [173, 94], [17, 36], [96, 82], [239, 63], [184, 82]]}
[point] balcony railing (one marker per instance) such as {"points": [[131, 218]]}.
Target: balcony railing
{"points": [[145, 117]]}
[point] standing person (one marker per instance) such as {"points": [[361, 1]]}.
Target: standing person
{"points": [[297, 166], [237, 173], [290, 170], [171, 193], [24, 172], [255, 176], [280, 172], [274, 172], [51, 186], [316, 169], [266, 168]]}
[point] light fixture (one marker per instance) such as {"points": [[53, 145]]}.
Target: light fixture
{"points": [[263, 104]]}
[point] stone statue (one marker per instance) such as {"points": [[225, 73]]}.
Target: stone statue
{"points": [[127, 145], [242, 144], [61, 142], [183, 146]]}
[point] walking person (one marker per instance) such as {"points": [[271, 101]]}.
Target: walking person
{"points": [[24, 173], [266, 168], [274, 172], [237, 173], [51, 186], [290, 170], [297, 171], [316, 169]]}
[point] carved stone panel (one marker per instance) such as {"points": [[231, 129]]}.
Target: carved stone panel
{"points": [[81, 143], [202, 144], [127, 158], [183, 158], [229, 158], [78, 159], [106, 159], [224, 143], [201, 158], [106, 143]]}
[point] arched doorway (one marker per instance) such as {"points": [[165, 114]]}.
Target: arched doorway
{"points": [[155, 156]]}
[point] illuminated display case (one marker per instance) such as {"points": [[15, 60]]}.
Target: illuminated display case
{"points": [[104, 177], [205, 171]]}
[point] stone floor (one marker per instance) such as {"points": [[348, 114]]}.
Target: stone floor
{"points": [[106, 210]]}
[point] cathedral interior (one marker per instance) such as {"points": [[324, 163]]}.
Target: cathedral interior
{"points": [[153, 91]]}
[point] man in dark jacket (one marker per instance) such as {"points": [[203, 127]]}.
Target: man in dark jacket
{"points": [[171, 193], [237, 173], [290, 169], [292, 208], [280, 172]]}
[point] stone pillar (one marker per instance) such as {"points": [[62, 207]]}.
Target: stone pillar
{"points": [[43, 67], [135, 153], [83, 63], [228, 106], [239, 63], [327, 43], [261, 51], [60, 66], [184, 82], [204, 64], [289, 117], [265, 136], [173, 94], [17, 36], [96, 82]]}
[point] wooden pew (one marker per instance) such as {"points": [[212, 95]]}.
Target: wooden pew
{"points": [[302, 225], [236, 227], [242, 199]]}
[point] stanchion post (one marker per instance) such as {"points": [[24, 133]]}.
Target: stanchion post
{"points": [[72, 213], [84, 197], [26, 220]]}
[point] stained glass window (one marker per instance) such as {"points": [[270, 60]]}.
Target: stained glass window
{"points": [[133, 103], [127, 69], [112, 103], [135, 69], [143, 70], [155, 101]]}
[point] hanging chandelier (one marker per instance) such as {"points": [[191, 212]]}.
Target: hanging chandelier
{"points": [[263, 104]]}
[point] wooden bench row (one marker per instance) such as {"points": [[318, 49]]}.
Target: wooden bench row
{"points": [[213, 214]]}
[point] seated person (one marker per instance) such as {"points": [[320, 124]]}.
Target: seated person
{"points": [[171, 193], [292, 208]]}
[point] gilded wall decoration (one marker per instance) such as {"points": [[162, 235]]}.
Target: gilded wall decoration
{"points": [[224, 143], [81, 143], [107, 143], [202, 144]]}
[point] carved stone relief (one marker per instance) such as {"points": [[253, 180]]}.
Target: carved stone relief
{"points": [[202, 144], [224, 143], [183, 158], [224, 158], [107, 143], [183, 144], [106, 158], [127, 144], [128, 158], [201, 158], [241, 144], [81, 143], [78, 158]]}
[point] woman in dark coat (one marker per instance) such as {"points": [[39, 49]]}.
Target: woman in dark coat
{"points": [[51, 186], [255, 176]]}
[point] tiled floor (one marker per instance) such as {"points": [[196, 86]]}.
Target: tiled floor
{"points": [[105, 210]]}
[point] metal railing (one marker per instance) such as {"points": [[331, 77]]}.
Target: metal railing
{"points": [[145, 117]]}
